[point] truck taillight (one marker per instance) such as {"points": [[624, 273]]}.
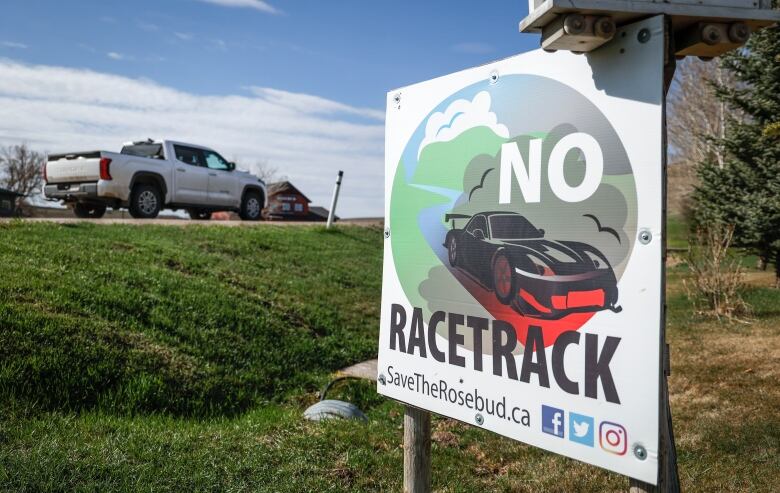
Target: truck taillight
{"points": [[45, 179], [105, 169]]}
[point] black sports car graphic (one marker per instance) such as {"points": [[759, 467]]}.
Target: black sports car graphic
{"points": [[538, 277]]}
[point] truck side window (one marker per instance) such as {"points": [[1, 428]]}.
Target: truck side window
{"points": [[189, 155], [215, 161]]}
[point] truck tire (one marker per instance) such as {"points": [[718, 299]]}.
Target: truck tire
{"points": [[145, 201], [199, 214], [251, 206], [89, 211]]}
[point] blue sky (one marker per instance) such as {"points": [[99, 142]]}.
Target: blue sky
{"points": [[347, 54]]}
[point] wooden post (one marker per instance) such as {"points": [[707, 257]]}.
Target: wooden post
{"points": [[636, 486], [417, 450], [668, 479]]}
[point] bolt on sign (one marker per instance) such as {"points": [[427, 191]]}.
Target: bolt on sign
{"points": [[522, 270]]}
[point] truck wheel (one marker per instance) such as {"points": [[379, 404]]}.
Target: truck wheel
{"points": [[199, 214], [145, 202], [251, 207], [89, 211]]}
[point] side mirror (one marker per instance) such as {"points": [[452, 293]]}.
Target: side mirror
{"points": [[231, 166], [479, 234], [541, 232]]}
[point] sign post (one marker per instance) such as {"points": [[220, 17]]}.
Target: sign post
{"points": [[334, 202], [417, 450]]}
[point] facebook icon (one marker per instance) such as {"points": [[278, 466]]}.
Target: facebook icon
{"points": [[552, 421]]}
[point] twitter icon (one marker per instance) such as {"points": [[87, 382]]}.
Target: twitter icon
{"points": [[581, 429]]}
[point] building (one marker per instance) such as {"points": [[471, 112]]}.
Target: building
{"points": [[8, 203], [287, 203], [317, 213]]}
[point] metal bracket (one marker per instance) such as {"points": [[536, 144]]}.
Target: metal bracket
{"points": [[706, 28], [577, 33]]}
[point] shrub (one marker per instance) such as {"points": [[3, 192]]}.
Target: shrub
{"points": [[718, 278]]}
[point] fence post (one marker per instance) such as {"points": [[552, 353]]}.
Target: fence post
{"points": [[332, 213], [417, 450]]}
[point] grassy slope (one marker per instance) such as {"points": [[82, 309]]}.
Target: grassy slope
{"points": [[724, 394], [188, 321]]}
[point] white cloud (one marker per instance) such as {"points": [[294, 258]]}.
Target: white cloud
{"points": [[252, 4], [308, 138], [114, 55], [313, 104], [183, 36], [462, 115], [13, 44], [148, 26]]}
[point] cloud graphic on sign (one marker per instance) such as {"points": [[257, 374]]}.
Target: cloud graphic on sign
{"points": [[462, 115]]}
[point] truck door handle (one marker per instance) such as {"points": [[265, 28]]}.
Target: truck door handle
{"points": [[212, 174], [181, 170]]}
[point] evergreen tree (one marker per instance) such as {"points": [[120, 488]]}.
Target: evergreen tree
{"points": [[744, 190]]}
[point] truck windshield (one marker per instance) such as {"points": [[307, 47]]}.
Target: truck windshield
{"points": [[512, 227], [153, 151]]}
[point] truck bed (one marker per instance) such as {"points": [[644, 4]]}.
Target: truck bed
{"points": [[74, 167], [83, 167]]}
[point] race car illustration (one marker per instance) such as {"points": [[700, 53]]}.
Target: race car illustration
{"points": [[539, 278]]}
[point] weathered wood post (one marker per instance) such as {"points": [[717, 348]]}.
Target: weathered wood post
{"points": [[636, 486], [417, 450]]}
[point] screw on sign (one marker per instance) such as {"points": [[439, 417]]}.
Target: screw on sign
{"points": [[640, 452], [515, 210]]}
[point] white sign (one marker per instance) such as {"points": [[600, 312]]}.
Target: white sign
{"points": [[522, 270]]}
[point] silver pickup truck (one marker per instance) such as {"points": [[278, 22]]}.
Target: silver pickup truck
{"points": [[148, 176]]}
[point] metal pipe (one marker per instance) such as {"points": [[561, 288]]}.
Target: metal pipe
{"points": [[332, 213]]}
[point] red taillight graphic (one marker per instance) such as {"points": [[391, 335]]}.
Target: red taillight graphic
{"points": [[578, 299], [529, 298], [45, 179], [105, 169], [558, 302]]}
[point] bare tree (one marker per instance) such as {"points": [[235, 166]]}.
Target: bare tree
{"points": [[695, 114], [21, 170], [266, 172]]}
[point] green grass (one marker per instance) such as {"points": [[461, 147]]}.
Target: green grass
{"points": [[677, 231], [181, 359], [185, 321]]}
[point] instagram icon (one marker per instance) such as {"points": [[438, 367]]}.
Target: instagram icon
{"points": [[612, 438]]}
